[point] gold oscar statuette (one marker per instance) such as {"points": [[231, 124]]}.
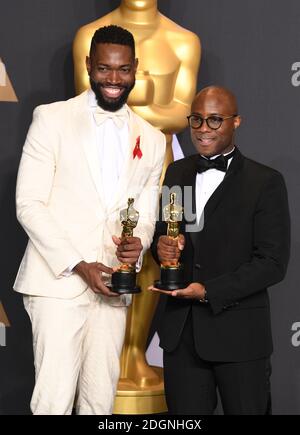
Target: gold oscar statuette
{"points": [[123, 281], [172, 272]]}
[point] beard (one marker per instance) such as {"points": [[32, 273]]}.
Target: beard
{"points": [[111, 104]]}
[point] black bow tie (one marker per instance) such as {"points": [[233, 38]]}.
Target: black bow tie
{"points": [[220, 163]]}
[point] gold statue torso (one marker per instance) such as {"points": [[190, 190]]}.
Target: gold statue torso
{"points": [[163, 74]]}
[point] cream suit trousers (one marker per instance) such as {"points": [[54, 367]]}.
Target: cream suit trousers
{"points": [[77, 345]]}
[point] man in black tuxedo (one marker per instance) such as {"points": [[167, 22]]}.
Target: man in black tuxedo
{"points": [[216, 332]]}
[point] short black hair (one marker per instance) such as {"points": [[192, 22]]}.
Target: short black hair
{"points": [[112, 35]]}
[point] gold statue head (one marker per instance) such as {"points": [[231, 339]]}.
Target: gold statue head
{"points": [[139, 5], [173, 216], [129, 218]]}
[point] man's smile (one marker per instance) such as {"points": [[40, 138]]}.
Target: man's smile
{"points": [[112, 92]]}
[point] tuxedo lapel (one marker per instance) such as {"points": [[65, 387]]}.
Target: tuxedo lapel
{"points": [[189, 179], [224, 188], [189, 201], [86, 135]]}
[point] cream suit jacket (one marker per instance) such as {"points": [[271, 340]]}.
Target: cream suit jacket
{"points": [[59, 196]]}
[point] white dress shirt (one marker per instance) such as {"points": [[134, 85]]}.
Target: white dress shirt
{"points": [[113, 144], [206, 184]]}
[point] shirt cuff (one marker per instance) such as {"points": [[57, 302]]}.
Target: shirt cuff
{"points": [[139, 263], [69, 271]]}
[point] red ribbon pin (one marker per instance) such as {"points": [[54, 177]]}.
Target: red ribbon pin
{"points": [[137, 152]]}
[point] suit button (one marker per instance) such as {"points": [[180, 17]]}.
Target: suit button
{"points": [[198, 266]]}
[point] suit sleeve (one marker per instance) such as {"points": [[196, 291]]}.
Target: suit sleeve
{"points": [[36, 176], [270, 255]]}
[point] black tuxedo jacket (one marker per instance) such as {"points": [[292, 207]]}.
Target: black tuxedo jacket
{"points": [[242, 249]]}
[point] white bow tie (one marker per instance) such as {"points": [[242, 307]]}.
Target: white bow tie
{"points": [[119, 117]]}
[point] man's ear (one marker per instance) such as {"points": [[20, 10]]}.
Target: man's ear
{"points": [[88, 64], [136, 62], [237, 122]]}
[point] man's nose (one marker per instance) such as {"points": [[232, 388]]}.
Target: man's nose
{"points": [[204, 127], [114, 77]]}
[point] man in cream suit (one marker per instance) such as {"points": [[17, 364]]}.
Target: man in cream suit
{"points": [[82, 159]]}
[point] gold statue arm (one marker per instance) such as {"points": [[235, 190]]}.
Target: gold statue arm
{"points": [[171, 117]]}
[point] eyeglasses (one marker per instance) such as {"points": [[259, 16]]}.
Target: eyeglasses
{"points": [[213, 121]]}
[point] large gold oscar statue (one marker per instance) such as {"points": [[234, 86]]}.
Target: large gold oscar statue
{"points": [[169, 58]]}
